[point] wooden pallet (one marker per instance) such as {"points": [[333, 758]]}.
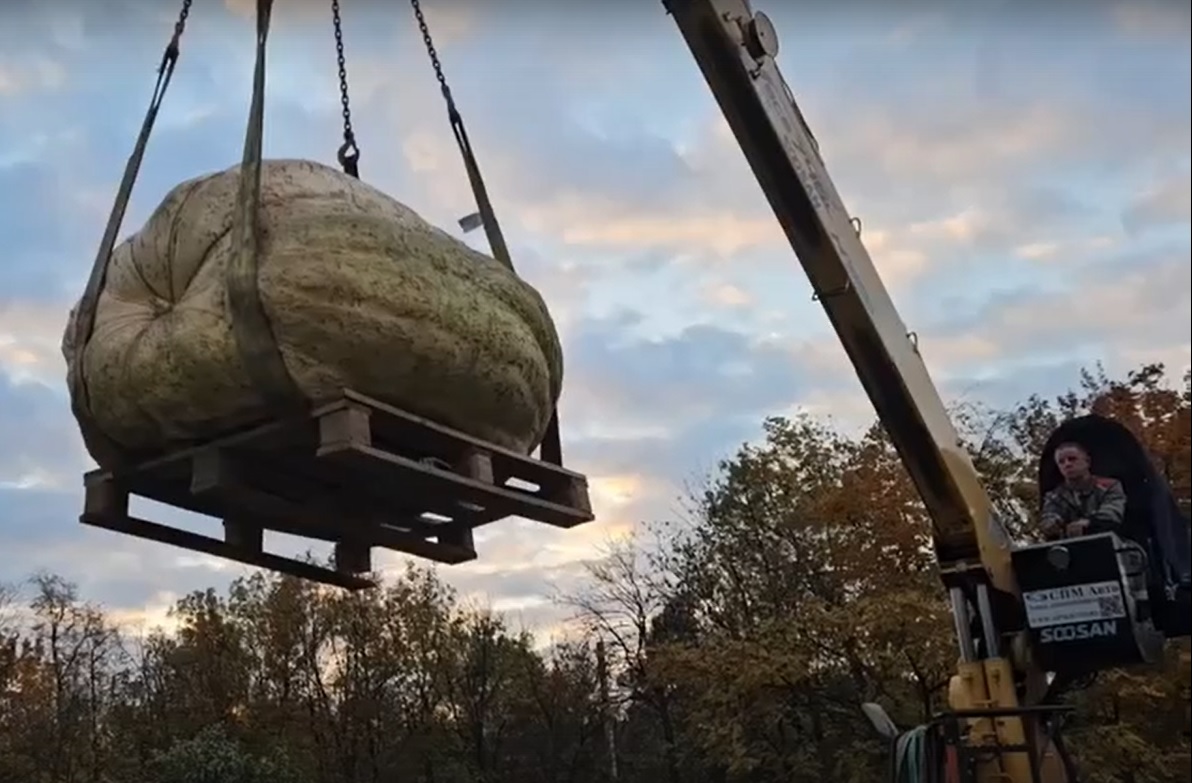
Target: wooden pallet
{"points": [[354, 472]]}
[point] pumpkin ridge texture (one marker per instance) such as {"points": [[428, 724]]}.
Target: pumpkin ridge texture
{"points": [[361, 293]]}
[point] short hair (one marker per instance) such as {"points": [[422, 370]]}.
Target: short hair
{"points": [[1071, 444]]}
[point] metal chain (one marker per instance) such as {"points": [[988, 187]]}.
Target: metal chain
{"points": [[349, 153], [172, 50], [431, 51], [183, 15], [488, 217]]}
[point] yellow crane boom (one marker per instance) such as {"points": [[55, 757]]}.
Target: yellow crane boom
{"points": [[736, 50]]}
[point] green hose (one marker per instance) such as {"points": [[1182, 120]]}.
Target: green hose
{"points": [[910, 756]]}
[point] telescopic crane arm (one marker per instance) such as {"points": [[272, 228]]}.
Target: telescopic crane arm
{"points": [[736, 52], [735, 49]]}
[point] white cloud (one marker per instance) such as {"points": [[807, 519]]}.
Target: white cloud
{"points": [[1059, 250], [727, 295], [38, 74], [1166, 203], [1136, 309], [30, 335], [621, 188], [450, 24], [1153, 19], [927, 185]]}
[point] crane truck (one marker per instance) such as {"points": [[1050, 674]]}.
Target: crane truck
{"points": [[1027, 619]]}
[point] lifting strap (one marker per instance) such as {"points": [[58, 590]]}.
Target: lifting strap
{"points": [[551, 449], [101, 447], [255, 341]]}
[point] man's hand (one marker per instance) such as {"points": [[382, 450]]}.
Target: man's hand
{"points": [[1077, 528]]}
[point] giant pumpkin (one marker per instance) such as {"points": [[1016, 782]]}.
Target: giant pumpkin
{"points": [[361, 293]]}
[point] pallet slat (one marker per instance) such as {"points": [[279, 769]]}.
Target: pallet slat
{"points": [[354, 472], [194, 542]]}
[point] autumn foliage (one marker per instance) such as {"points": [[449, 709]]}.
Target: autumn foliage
{"points": [[735, 645]]}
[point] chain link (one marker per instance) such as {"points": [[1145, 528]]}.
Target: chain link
{"points": [[430, 48], [484, 207], [349, 151], [172, 48], [183, 15]]}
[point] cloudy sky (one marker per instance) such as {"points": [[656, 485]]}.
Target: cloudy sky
{"points": [[1022, 176]]}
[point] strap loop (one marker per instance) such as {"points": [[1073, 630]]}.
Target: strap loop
{"points": [[106, 451], [262, 359]]}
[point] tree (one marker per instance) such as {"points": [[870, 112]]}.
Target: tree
{"points": [[211, 757], [625, 595], [809, 573], [740, 643], [805, 585]]}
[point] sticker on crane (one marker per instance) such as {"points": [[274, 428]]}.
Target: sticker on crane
{"points": [[1074, 604], [1078, 631]]}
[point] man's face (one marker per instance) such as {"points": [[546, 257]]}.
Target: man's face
{"points": [[1072, 462]]}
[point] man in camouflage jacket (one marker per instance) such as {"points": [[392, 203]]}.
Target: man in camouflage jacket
{"points": [[1083, 504]]}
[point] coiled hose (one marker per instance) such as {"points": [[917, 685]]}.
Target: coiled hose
{"points": [[910, 756]]}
